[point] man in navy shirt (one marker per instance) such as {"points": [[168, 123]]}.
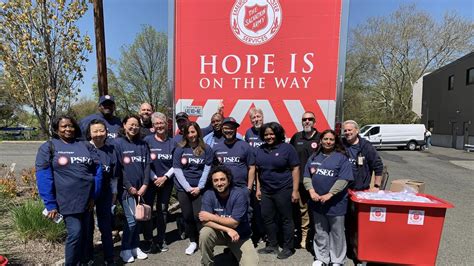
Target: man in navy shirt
{"points": [[236, 154], [215, 137], [364, 158], [252, 134], [225, 220], [305, 143], [145, 112], [106, 114], [181, 119]]}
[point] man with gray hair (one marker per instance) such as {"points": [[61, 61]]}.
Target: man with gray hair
{"points": [[305, 143], [363, 156], [365, 160]]}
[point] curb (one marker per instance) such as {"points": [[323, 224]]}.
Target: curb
{"points": [[21, 141]]}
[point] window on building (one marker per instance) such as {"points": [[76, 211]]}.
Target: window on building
{"points": [[470, 76], [451, 83]]}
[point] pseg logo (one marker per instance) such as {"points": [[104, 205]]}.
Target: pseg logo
{"points": [[255, 22]]}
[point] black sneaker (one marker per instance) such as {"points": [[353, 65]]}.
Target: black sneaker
{"points": [[147, 246], [268, 250], [284, 254]]}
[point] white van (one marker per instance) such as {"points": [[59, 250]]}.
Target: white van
{"points": [[410, 136]]}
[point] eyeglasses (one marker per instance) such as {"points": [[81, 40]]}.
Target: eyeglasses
{"points": [[307, 119]]}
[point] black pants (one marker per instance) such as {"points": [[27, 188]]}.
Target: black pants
{"points": [[162, 195], [274, 204], [190, 208], [258, 228]]}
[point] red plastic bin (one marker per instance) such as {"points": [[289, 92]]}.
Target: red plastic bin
{"points": [[397, 232]]}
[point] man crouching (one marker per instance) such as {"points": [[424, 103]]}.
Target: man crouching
{"points": [[225, 219]]}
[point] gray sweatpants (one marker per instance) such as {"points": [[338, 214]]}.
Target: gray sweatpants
{"points": [[330, 240]]}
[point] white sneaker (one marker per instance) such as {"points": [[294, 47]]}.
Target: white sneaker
{"points": [[127, 256], [137, 252], [191, 248], [318, 263]]}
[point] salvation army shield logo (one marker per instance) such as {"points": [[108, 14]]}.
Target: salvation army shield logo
{"points": [[184, 160], [255, 22], [153, 156], [312, 170], [314, 145], [256, 17]]}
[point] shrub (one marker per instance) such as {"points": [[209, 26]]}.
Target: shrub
{"points": [[30, 223], [28, 176], [8, 188]]}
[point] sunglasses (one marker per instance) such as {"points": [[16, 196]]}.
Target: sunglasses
{"points": [[307, 119]]}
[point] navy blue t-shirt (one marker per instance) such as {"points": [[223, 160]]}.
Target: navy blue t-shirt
{"points": [[235, 207], [237, 157], [177, 139], [275, 166], [74, 168], [211, 139], [192, 165], [108, 160], [161, 154], [133, 163], [253, 138], [113, 125], [324, 171]]}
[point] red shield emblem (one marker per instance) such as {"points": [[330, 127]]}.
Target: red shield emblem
{"points": [[256, 17]]}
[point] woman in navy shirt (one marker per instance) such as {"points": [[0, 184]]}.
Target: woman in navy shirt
{"points": [[192, 160], [278, 168], [68, 174], [133, 168], [96, 134], [161, 153], [326, 176]]}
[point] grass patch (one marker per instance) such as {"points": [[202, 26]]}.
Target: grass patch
{"points": [[30, 223]]}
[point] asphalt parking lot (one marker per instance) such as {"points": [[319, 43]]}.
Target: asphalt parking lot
{"points": [[448, 174]]}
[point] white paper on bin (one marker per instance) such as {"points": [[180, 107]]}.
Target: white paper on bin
{"points": [[392, 196]]}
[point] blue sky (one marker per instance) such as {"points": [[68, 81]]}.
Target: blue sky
{"points": [[124, 20]]}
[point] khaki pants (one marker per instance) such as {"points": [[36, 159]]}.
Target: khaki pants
{"points": [[305, 220], [243, 250]]}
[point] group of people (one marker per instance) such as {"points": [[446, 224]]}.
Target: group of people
{"points": [[233, 190]]}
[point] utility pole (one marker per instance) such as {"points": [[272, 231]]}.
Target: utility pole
{"points": [[100, 47]]}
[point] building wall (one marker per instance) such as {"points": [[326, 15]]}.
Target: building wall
{"points": [[417, 96], [450, 113]]}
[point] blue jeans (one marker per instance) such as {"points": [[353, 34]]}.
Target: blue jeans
{"points": [[76, 227], [130, 238]]}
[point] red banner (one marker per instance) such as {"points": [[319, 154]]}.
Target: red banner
{"points": [[280, 56]]}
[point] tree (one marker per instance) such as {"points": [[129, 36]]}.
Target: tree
{"points": [[83, 107], [387, 55], [141, 74], [43, 53]]}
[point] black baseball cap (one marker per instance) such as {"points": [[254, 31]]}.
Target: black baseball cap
{"points": [[182, 115], [230, 120]]}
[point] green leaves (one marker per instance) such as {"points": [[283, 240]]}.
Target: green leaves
{"points": [[43, 53]]}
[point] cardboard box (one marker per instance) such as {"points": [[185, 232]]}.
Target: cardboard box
{"points": [[399, 185]]}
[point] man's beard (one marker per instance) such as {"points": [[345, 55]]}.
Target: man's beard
{"points": [[307, 129], [146, 120]]}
